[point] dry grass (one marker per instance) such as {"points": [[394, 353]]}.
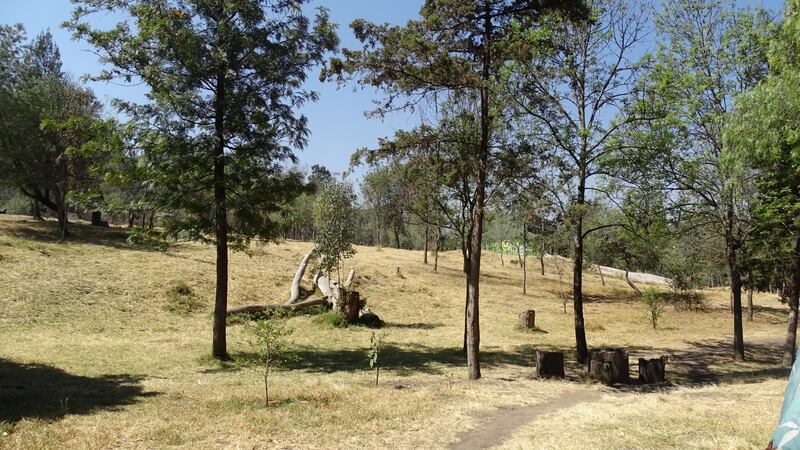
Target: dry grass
{"points": [[91, 356]]}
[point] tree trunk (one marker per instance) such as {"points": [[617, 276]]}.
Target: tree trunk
{"points": [[63, 220], [630, 283], [541, 257], [577, 276], [36, 210], [736, 288], [219, 344], [348, 305], [251, 309], [652, 370], [131, 218], [600, 272], [523, 261], [527, 319], [425, 245], [436, 249], [549, 364], [396, 238], [790, 348], [294, 295], [750, 305], [610, 366]]}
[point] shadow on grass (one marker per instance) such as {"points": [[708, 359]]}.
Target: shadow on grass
{"points": [[45, 392], [80, 233], [414, 326], [405, 361]]}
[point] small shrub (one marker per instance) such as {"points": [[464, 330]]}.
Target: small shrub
{"points": [[373, 355], [148, 238], [687, 301], [654, 305], [330, 319], [181, 299], [271, 349]]}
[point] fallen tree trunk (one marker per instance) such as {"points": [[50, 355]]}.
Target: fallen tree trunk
{"points": [[250, 309], [298, 277]]}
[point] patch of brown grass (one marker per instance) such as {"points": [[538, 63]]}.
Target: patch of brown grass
{"points": [[93, 307]]}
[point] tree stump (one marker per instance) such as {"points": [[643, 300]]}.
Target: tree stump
{"points": [[652, 370], [527, 319], [609, 366], [348, 305], [549, 364], [97, 219]]}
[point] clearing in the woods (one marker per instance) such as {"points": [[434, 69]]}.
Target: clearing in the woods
{"points": [[95, 352]]}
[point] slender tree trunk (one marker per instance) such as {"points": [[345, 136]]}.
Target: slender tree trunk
{"points": [[750, 305], [219, 347], [36, 210], [397, 238], [577, 275], [466, 311], [736, 290], [523, 256], [541, 258], [425, 252], [436, 249], [63, 218], [790, 348], [600, 272], [131, 218]]}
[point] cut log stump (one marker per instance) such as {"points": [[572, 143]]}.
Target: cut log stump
{"points": [[527, 319], [652, 370], [549, 364], [97, 219], [609, 366], [349, 305]]}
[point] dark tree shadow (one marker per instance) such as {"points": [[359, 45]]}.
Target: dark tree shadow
{"points": [[414, 326], [80, 233], [45, 392], [405, 361]]}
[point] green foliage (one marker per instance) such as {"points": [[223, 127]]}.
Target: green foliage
{"points": [[654, 305], [225, 84], [374, 353], [181, 299], [148, 238], [330, 319], [271, 349], [686, 300], [334, 214], [52, 138]]}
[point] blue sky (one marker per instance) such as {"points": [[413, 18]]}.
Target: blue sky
{"points": [[336, 121]]}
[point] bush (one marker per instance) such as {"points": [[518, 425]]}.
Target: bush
{"points": [[148, 238], [330, 319], [181, 299], [654, 305], [687, 301]]}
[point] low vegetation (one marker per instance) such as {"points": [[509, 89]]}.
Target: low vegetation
{"points": [[96, 362]]}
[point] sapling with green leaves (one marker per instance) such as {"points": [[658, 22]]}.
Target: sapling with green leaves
{"points": [[654, 306], [334, 224], [267, 337], [373, 355]]}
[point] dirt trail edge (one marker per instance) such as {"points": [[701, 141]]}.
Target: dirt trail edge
{"points": [[499, 425]]}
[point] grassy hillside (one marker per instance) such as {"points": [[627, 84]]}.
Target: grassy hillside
{"points": [[93, 354]]}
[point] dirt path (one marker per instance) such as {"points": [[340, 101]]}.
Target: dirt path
{"points": [[499, 425]]}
